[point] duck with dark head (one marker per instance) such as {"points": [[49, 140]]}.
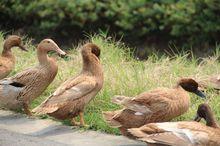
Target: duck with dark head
{"points": [[7, 59], [184, 133], [158, 105], [204, 112], [190, 85], [70, 99]]}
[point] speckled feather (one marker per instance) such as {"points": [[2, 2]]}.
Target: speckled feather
{"points": [[178, 133], [74, 94], [34, 80]]}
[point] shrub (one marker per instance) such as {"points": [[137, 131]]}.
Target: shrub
{"points": [[193, 21]]}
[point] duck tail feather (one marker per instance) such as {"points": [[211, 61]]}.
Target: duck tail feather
{"points": [[109, 118], [121, 100], [43, 110], [136, 132]]}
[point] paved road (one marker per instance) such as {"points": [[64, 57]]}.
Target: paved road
{"points": [[17, 130], [9, 138]]}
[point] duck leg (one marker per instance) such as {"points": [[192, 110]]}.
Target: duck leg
{"points": [[82, 122], [26, 109]]}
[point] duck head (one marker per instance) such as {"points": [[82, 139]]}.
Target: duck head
{"points": [[91, 48], [47, 45], [204, 111], [191, 85], [14, 41]]}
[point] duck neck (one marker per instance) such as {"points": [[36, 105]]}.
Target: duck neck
{"points": [[7, 50], [178, 86], [42, 56], [91, 64], [210, 120]]}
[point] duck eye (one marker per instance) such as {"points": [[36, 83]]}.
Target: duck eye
{"points": [[48, 41]]}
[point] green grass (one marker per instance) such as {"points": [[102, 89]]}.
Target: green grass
{"points": [[126, 76]]}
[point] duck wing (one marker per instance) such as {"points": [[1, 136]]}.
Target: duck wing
{"points": [[173, 133], [26, 76], [20, 79], [67, 92], [24, 79], [147, 102]]}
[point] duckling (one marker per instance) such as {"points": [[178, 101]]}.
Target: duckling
{"points": [[19, 90], [159, 105], [7, 59], [182, 133], [70, 99]]}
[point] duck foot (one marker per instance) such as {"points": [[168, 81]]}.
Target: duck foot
{"points": [[81, 123], [26, 110]]}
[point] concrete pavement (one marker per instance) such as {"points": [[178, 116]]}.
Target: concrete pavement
{"points": [[16, 130], [9, 138]]}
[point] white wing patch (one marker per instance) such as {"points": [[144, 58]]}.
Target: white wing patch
{"points": [[57, 91], [138, 114], [74, 90], [192, 136], [139, 108]]}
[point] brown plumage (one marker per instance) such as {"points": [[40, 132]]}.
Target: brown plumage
{"points": [[212, 81], [27, 85], [7, 59], [159, 105], [182, 133], [69, 100]]}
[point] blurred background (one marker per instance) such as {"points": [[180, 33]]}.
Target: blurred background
{"points": [[146, 25]]}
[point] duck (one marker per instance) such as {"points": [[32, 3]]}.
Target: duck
{"points": [[18, 91], [7, 59], [182, 133], [158, 105], [212, 81], [70, 98]]}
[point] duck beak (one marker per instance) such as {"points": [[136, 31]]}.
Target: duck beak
{"points": [[197, 118], [61, 52], [200, 94], [22, 48]]}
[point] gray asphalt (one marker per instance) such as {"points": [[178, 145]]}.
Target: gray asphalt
{"points": [[18, 130], [9, 138]]}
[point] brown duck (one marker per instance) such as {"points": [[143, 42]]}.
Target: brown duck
{"points": [[7, 59], [212, 81], [159, 105], [182, 133], [70, 99], [27, 85]]}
